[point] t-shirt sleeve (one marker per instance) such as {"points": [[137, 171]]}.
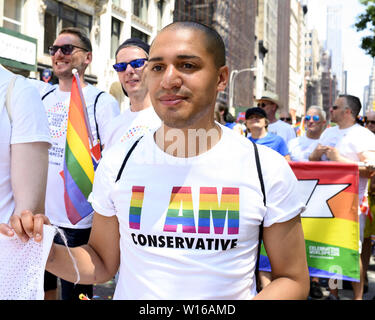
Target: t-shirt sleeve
{"points": [[283, 148], [29, 119], [106, 110], [105, 181], [283, 196]]}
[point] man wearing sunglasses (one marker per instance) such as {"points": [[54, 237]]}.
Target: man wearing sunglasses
{"points": [[270, 103], [140, 117], [348, 142], [300, 148], [71, 49]]}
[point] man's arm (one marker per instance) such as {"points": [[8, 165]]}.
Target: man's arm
{"points": [[97, 262], [316, 155], [285, 246], [29, 169], [366, 156]]}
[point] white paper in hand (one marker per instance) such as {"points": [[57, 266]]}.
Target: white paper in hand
{"points": [[22, 266]]}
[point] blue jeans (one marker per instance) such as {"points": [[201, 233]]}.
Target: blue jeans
{"points": [[69, 291]]}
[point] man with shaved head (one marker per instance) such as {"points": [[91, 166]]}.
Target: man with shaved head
{"points": [[176, 228]]}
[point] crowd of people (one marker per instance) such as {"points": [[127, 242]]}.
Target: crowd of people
{"points": [[180, 200]]}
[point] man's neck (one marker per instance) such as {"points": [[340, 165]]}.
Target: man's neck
{"points": [[66, 84], [258, 133], [313, 135], [139, 103], [187, 142], [271, 119], [346, 123]]}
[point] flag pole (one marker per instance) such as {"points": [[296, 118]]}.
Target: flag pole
{"points": [[89, 133]]}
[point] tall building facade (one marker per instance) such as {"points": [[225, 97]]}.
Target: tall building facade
{"points": [[266, 33], [334, 42], [29, 27], [291, 56], [313, 72], [235, 22], [328, 81]]}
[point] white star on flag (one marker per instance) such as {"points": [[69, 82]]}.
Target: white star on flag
{"points": [[316, 196]]}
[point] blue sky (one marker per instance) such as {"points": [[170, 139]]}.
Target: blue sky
{"points": [[356, 62]]}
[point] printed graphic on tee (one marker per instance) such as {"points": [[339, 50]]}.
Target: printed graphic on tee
{"points": [[180, 212]]}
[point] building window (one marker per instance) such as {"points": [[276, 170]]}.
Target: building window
{"points": [[135, 33], [160, 5], [12, 15], [115, 36], [140, 9], [59, 16]]}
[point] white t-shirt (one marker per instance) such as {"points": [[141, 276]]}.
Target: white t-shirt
{"points": [[29, 124], [131, 124], [57, 106], [349, 143], [301, 147], [282, 129], [172, 246]]}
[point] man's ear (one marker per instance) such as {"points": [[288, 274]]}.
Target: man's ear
{"points": [[88, 57], [223, 78]]}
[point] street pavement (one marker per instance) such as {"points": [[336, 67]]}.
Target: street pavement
{"points": [[105, 291]]}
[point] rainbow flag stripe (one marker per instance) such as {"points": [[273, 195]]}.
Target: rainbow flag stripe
{"points": [[208, 205], [78, 171], [181, 199], [135, 210], [331, 243]]}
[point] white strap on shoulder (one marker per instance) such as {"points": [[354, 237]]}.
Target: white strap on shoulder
{"points": [[8, 96]]}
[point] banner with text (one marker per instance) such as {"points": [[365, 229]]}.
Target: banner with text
{"points": [[330, 221]]}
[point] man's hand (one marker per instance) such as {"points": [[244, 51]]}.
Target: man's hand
{"points": [[333, 154], [25, 226], [316, 155]]}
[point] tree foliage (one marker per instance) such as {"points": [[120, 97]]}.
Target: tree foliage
{"points": [[366, 21]]}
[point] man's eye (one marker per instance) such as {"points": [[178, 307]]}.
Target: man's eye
{"points": [[188, 65], [156, 68]]}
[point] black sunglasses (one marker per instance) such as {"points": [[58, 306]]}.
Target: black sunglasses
{"points": [[262, 105], [286, 119], [65, 49], [135, 64], [370, 122]]}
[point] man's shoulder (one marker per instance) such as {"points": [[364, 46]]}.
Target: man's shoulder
{"points": [[93, 92]]}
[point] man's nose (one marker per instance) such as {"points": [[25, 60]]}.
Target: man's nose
{"points": [[171, 78]]}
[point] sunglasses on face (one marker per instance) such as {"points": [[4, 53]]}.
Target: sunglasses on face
{"points": [[370, 122], [315, 118], [135, 64], [262, 105], [66, 49], [286, 119]]}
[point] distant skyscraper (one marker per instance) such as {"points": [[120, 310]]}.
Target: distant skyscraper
{"points": [[334, 42]]}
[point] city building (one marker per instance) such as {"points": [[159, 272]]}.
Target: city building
{"points": [[328, 82], [29, 27], [266, 46], [334, 42], [291, 57], [313, 69]]}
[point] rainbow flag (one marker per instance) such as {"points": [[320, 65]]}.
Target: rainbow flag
{"points": [[300, 127], [81, 158], [330, 221]]}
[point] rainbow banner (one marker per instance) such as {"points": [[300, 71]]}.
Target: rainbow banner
{"points": [[330, 221], [80, 159]]}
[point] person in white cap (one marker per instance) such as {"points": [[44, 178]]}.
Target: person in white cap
{"points": [[270, 103]]}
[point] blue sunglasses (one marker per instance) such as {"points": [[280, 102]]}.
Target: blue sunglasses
{"points": [[315, 118], [135, 64]]}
